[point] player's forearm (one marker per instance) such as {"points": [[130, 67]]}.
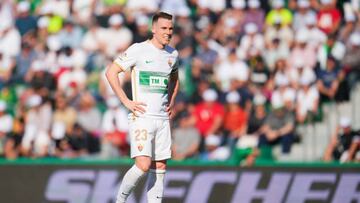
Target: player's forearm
{"points": [[193, 149], [175, 91], [112, 76], [288, 128], [173, 88]]}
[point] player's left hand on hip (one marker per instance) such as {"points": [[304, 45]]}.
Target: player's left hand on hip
{"points": [[170, 109]]}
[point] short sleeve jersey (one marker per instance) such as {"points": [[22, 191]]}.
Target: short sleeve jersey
{"points": [[151, 68]]}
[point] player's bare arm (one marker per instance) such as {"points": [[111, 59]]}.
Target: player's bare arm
{"points": [[173, 91], [112, 73]]}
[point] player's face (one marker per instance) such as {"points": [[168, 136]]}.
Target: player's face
{"points": [[163, 30]]}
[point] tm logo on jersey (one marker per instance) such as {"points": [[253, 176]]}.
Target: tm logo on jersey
{"points": [[158, 81], [155, 82]]}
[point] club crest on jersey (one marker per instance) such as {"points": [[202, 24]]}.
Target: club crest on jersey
{"points": [[170, 63], [140, 147]]}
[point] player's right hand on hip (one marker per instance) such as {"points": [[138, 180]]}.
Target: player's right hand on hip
{"points": [[136, 107]]}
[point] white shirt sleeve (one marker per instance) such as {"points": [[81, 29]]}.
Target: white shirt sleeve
{"points": [[175, 67], [127, 59]]}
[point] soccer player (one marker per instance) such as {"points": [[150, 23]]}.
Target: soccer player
{"points": [[154, 77]]}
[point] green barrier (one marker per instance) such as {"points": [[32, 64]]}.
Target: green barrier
{"points": [[173, 163]]}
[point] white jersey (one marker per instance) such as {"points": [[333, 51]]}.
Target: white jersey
{"points": [[150, 73]]}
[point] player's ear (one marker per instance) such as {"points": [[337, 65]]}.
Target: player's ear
{"points": [[153, 28]]}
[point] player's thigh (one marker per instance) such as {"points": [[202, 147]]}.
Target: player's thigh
{"points": [[162, 141]]}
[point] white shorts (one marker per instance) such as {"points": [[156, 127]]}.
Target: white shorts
{"points": [[150, 137]]}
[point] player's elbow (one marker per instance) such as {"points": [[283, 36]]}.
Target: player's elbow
{"points": [[109, 71]]}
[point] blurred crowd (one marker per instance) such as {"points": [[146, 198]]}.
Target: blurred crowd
{"points": [[251, 71]]}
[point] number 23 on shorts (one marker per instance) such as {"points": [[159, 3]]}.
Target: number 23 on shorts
{"points": [[141, 135]]}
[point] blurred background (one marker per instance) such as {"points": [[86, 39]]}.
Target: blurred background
{"points": [[260, 80]]}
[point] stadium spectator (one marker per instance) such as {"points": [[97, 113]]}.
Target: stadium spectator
{"points": [[329, 17], [184, 147], [89, 117], [121, 36], [114, 130], [347, 29], [185, 137], [70, 35], [228, 26], [231, 71], [278, 128], [82, 11], [94, 45], [301, 13], [208, 115], [49, 10], [7, 10], [7, 65], [354, 150], [251, 44], [307, 100], [142, 29], [25, 22], [340, 142], [12, 148], [279, 14], [331, 48], [259, 75], [41, 34], [315, 36], [206, 56], [257, 116], [59, 8], [284, 33], [303, 50], [102, 9], [71, 69], [39, 78], [275, 50], [23, 63], [75, 144], [36, 140], [135, 7], [64, 118], [214, 151], [6, 126], [235, 120], [255, 14], [351, 60], [284, 92], [246, 148], [328, 80], [10, 39], [213, 6], [199, 82], [174, 6], [298, 71]]}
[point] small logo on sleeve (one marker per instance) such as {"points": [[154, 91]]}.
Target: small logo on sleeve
{"points": [[170, 62], [123, 56]]}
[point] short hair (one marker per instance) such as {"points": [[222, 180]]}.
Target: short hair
{"points": [[158, 15]]}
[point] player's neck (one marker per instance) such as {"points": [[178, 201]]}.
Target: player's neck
{"points": [[157, 44]]}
